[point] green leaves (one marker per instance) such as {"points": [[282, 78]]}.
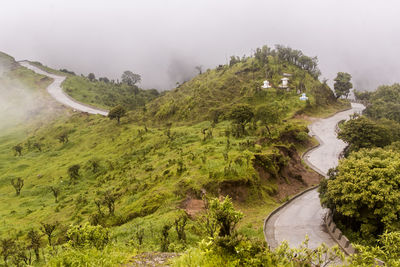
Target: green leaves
{"points": [[364, 133], [342, 84], [87, 236], [117, 113], [365, 194]]}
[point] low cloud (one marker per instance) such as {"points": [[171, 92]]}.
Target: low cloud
{"points": [[109, 37], [18, 103]]}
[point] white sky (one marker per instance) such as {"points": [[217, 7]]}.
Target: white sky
{"points": [[164, 39]]}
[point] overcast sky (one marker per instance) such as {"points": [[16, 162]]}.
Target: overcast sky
{"points": [[164, 39]]}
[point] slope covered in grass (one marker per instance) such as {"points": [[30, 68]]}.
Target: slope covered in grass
{"points": [[147, 171], [107, 94], [214, 93], [103, 92]]}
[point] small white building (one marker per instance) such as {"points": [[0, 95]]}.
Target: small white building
{"points": [[266, 85], [284, 82], [303, 97]]}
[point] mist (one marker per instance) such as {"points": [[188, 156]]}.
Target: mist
{"points": [[18, 103], [163, 40]]}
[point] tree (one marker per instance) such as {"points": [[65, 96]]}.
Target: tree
{"points": [[73, 172], [56, 192], [104, 79], [233, 61], [364, 133], [38, 146], [48, 229], [35, 240], [8, 248], [323, 95], [262, 54], [94, 164], [241, 115], [109, 199], [268, 114], [130, 78], [18, 150], [384, 103], [164, 242], [180, 224], [117, 113], [88, 236], [342, 84], [364, 194], [199, 68], [225, 215], [91, 77], [387, 250], [17, 183]]}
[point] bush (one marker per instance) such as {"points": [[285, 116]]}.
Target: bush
{"points": [[364, 192], [88, 236]]}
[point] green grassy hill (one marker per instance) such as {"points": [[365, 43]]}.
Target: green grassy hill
{"points": [[102, 92], [154, 171], [216, 91]]}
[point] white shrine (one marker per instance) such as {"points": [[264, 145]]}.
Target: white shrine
{"points": [[284, 82], [303, 97], [266, 85]]}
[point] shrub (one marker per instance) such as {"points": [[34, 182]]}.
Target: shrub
{"points": [[73, 172], [87, 236]]}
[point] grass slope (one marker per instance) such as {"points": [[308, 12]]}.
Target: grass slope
{"points": [[217, 90], [152, 170]]}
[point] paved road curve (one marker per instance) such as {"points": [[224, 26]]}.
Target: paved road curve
{"points": [[58, 94], [303, 216]]}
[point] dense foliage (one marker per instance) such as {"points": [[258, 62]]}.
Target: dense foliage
{"points": [[342, 84], [364, 192], [225, 247], [384, 103], [362, 132]]}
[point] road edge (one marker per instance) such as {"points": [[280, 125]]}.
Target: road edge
{"points": [[281, 207], [63, 91], [313, 167]]}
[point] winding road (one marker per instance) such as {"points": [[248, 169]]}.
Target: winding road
{"points": [[58, 94], [304, 214]]}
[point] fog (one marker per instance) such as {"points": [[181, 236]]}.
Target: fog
{"points": [[163, 40], [18, 103]]}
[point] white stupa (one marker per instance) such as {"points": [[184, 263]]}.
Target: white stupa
{"points": [[266, 85], [284, 82], [303, 97]]}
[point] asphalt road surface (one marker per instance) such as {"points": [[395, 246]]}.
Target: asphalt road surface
{"points": [[58, 94], [303, 216]]}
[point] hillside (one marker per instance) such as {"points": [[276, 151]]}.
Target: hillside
{"points": [[212, 94], [145, 173], [102, 92]]}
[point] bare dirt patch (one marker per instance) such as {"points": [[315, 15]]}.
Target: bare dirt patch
{"points": [[193, 207]]}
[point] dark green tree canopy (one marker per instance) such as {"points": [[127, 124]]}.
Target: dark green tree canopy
{"points": [[364, 133], [130, 78], [91, 77], [365, 193], [342, 84], [384, 103], [241, 114], [117, 113]]}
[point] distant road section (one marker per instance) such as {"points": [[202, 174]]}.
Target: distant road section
{"points": [[304, 215], [58, 94]]}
